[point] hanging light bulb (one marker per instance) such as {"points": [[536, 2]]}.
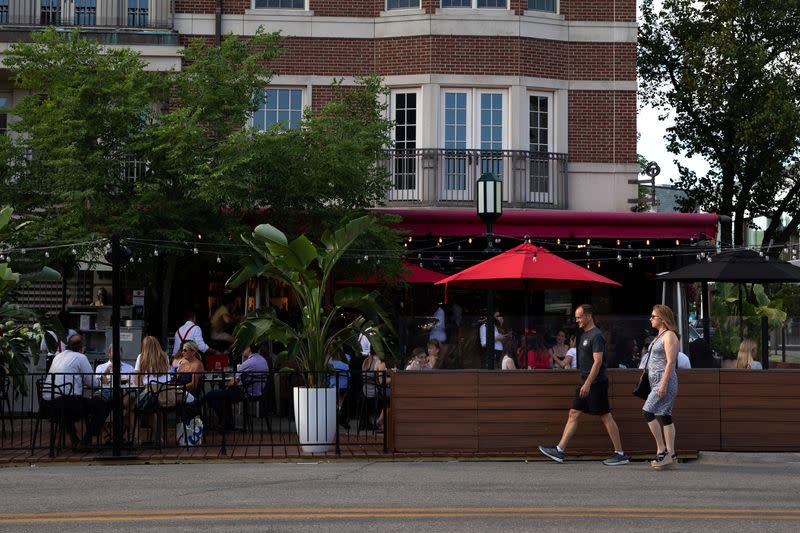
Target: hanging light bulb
{"points": [[785, 250], [619, 258], [410, 238], [617, 242], [639, 256], [219, 260], [47, 254], [647, 242], [630, 264], [378, 261], [420, 264], [534, 256], [405, 244], [558, 241], [652, 258], [419, 256], [459, 247], [155, 252], [598, 264], [366, 258], [588, 241], [132, 260], [451, 259], [74, 251], [469, 240], [195, 251], [588, 265], [139, 259], [439, 241], [588, 253], [677, 242]]}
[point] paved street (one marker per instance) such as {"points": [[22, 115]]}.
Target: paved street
{"points": [[719, 492]]}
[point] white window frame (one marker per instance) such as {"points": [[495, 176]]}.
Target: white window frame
{"points": [[7, 96], [474, 5], [556, 8], [290, 9], [416, 192], [540, 196], [387, 8], [303, 102], [473, 137]]}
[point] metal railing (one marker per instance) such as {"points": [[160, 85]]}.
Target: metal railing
{"points": [[37, 420], [153, 14], [447, 177]]}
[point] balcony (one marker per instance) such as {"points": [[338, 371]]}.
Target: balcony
{"points": [[439, 177], [134, 14]]}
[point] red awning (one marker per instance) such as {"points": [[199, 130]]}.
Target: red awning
{"points": [[558, 224], [414, 274]]}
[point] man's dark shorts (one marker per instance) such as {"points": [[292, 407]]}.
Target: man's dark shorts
{"points": [[596, 402]]}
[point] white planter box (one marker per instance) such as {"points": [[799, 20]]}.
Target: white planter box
{"points": [[315, 418]]}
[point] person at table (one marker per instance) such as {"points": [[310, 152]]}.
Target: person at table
{"points": [[222, 322], [246, 383], [103, 373], [152, 364], [340, 380], [418, 360], [559, 349], [71, 366], [748, 355], [569, 360], [438, 330], [434, 354], [190, 371], [101, 297], [508, 360]]}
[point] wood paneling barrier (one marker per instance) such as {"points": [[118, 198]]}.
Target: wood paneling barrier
{"points": [[469, 411]]}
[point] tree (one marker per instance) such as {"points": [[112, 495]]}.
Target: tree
{"points": [[729, 70], [92, 113], [307, 271]]}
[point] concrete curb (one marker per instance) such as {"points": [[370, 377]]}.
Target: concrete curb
{"points": [[728, 458]]}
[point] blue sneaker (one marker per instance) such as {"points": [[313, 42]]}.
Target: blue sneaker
{"points": [[553, 453], [617, 460]]}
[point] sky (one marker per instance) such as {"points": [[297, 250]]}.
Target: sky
{"points": [[652, 145]]}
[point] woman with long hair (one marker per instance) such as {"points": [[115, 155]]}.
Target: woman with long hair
{"points": [[748, 355], [662, 358], [152, 364]]}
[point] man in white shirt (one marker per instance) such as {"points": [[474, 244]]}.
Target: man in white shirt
{"points": [[102, 374], [71, 367], [189, 331], [438, 329]]}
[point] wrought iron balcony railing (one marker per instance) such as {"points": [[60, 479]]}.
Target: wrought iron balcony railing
{"points": [[447, 177], [152, 14]]}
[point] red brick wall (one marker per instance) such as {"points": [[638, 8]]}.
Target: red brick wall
{"points": [[602, 126], [599, 10], [348, 8], [459, 55], [594, 10]]}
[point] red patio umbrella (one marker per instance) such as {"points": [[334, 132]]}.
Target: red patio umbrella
{"points": [[414, 274], [526, 267]]}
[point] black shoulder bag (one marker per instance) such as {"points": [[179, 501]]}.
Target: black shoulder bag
{"points": [[642, 389]]}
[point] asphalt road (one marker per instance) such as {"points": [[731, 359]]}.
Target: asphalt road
{"points": [[721, 493]]}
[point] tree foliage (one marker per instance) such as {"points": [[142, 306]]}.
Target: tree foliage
{"points": [[729, 71], [93, 114]]}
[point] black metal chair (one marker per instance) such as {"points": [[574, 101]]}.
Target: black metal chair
{"points": [[5, 403], [52, 400], [250, 402]]}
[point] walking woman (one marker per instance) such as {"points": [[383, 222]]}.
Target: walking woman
{"points": [[661, 368]]}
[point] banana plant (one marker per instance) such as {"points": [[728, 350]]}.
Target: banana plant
{"points": [[306, 269]]}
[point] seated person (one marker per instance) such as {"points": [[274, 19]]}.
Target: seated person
{"points": [[748, 355], [190, 371], [340, 378], [700, 354], [569, 360], [418, 360], [683, 360], [102, 374], [71, 366], [537, 354], [246, 383], [434, 355], [508, 362]]}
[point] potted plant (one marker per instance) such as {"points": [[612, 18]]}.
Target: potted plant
{"points": [[306, 269], [21, 331]]}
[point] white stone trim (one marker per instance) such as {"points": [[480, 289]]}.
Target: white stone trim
{"points": [[409, 23], [157, 57], [601, 186]]}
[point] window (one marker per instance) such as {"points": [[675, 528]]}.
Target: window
{"points": [[138, 11], [542, 5], [85, 12], [50, 12], [404, 171], [280, 4], [473, 120], [503, 4], [402, 4], [279, 106], [3, 11], [5, 101], [539, 130]]}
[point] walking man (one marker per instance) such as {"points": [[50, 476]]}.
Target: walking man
{"points": [[592, 396]]}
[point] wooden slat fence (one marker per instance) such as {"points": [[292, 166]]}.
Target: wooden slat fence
{"points": [[470, 411]]}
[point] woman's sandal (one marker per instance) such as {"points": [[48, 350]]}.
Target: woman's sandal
{"points": [[662, 459]]}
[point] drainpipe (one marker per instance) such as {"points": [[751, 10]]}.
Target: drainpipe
{"points": [[218, 23]]}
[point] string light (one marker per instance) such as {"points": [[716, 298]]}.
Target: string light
{"points": [[677, 242], [410, 238], [617, 242], [155, 252], [619, 258], [639, 256], [439, 241], [47, 254], [558, 241], [469, 240], [598, 264], [647, 242], [195, 251], [630, 264], [132, 260], [451, 259], [74, 251], [588, 241], [366, 258], [534, 256], [219, 260], [139, 259]]}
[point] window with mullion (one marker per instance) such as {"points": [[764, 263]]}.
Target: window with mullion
{"points": [[503, 4], [542, 5], [279, 107], [455, 141], [280, 4], [539, 143], [405, 140], [402, 4], [4, 103]]}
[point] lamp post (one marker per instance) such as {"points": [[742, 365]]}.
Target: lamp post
{"points": [[489, 205]]}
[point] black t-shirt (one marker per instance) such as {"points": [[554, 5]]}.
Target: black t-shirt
{"points": [[592, 341]]}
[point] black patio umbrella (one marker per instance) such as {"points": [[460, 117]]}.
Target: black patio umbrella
{"points": [[736, 266]]}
